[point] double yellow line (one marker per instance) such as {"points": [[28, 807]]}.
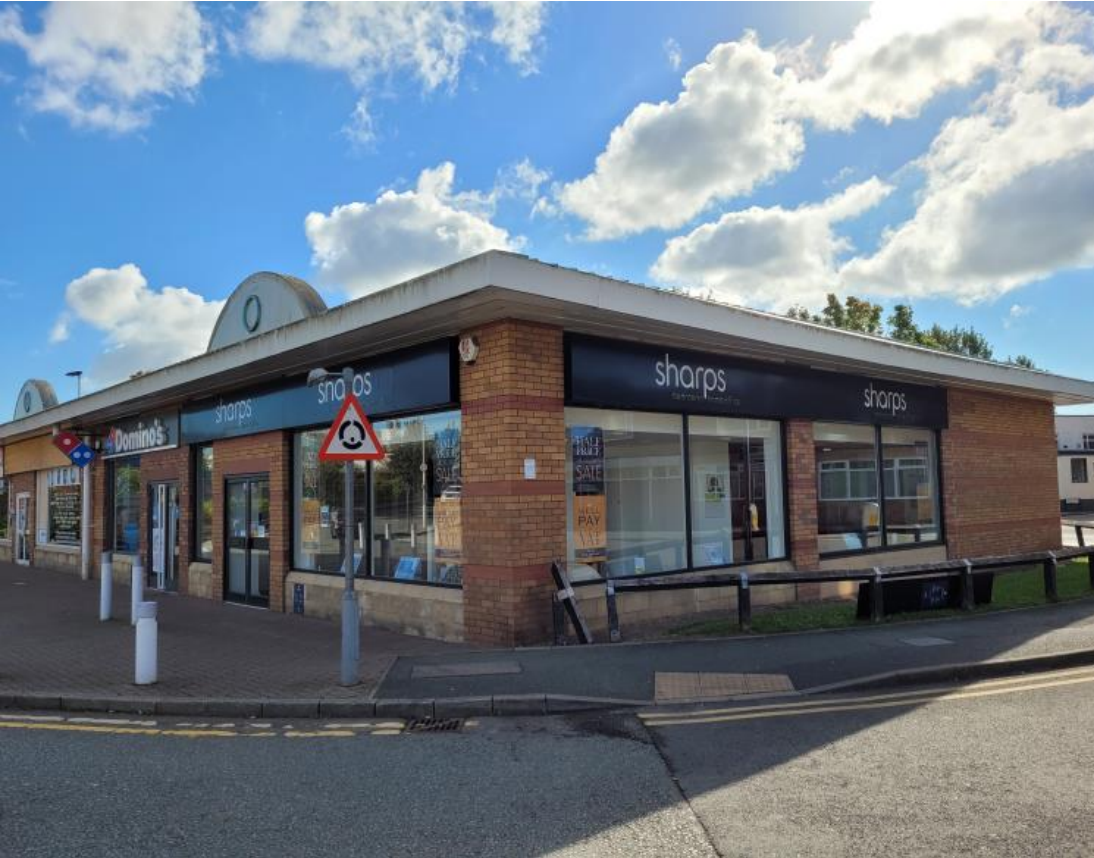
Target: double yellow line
{"points": [[987, 688]]}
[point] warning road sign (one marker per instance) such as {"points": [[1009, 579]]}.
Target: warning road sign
{"points": [[351, 437]]}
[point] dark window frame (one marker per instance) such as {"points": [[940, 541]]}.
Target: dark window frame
{"points": [[366, 559], [195, 516], [879, 469], [1085, 471]]}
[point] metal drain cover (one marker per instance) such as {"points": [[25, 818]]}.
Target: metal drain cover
{"points": [[432, 725]]}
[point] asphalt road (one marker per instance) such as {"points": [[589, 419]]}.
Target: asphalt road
{"points": [[999, 768]]}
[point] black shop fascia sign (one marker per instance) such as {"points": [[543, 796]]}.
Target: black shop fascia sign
{"points": [[416, 379], [604, 373]]}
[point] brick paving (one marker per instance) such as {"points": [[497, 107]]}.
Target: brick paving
{"points": [[51, 641]]}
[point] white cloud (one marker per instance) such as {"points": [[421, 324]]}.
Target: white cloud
{"points": [[770, 257], [366, 41], [1016, 312], [672, 53], [363, 247], [360, 129], [144, 328], [517, 29], [725, 133], [60, 330], [740, 118], [902, 55], [1009, 190], [108, 66]]}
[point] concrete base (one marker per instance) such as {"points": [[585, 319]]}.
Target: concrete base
{"points": [[432, 612]]}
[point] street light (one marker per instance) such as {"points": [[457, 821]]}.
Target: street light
{"points": [[76, 374], [351, 636]]}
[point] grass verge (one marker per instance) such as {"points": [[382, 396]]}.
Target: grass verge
{"points": [[1017, 588]]}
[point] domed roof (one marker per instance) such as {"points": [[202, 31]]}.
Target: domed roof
{"points": [[35, 395], [261, 303]]}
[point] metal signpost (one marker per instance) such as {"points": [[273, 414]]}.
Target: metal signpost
{"points": [[350, 439]]}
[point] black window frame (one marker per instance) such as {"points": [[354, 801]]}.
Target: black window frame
{"points": [[685, 453], [1079, 460], [364, 573], [879, 469], [195, 517]]}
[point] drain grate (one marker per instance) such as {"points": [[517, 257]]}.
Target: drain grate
{"points": [[432, 725]]}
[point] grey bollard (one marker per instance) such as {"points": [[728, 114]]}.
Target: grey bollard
{"points": [[106, 587], [136, 591], [146, 644]]}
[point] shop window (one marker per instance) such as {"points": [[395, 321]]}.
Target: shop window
{"points": [[417, 532], [318, 505], [5, 509], [203, 503], [625, 483], [911, 490], [127, 505], [848, 512], [736, 490], [1078, 470]]}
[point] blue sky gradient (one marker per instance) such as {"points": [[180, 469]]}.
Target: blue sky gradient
{"points": [[218, 180]]}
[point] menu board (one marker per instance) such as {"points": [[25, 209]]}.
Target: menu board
{"points": [[447, 530], [64, 515]]}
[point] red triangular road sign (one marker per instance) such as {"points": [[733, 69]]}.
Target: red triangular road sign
{"points": [[351, 437]]}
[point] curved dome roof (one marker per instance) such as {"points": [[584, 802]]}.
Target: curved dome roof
{"points": [[261, 303], [35, 395]]}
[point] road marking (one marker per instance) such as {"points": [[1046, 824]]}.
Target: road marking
{"points": [[987, 689], [190, 730], [803, 703]]}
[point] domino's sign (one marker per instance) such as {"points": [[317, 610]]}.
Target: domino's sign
{"points": [[141, 435]]}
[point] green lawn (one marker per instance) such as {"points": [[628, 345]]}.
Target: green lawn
{"points": [[1018, 588]]}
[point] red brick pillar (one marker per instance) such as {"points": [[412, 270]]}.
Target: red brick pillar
{"points": [[512, 402], [268, 454], [101, 495], [801, 482]]}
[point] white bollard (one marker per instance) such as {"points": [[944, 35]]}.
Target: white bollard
{"points": [[136, 592], [147, 655], [106, 587]]}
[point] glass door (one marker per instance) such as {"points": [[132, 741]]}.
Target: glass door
{"points": [[22, 529], [247, 532], [748, 506], [163, 520]]}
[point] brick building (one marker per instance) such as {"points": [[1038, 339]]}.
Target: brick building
{"points": [[529, 413]]}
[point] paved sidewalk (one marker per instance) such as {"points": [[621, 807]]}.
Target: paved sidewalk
{"points": [[51, 642], [810, 660]]}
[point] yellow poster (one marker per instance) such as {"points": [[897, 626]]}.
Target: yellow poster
{"points": [[590, 529], [448, 530], [309, 524]]}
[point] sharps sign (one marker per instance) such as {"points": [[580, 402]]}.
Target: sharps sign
{"points": [[351, 437]]}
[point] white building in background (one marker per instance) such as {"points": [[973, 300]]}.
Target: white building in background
{"points": [[1075, 461]]}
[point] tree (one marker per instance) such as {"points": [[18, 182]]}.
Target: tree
{"points": [[856, 314]]}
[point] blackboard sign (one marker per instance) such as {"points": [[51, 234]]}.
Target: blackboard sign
{"points": [[64, 515], [616, 374]]}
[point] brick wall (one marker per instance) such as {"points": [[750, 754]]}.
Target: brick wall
{"points": [[512, 401], [163, 466], [999, 475], [801, 482], [267, 454], [18, 484]]}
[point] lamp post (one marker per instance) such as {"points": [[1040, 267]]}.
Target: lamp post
{"points": [[351, 636], [76, 374]]}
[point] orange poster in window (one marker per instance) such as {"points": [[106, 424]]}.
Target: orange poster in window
{"points": [[590, 529], [447, 530]]}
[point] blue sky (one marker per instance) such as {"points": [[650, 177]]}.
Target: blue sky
{"points": [[153, 157]]}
